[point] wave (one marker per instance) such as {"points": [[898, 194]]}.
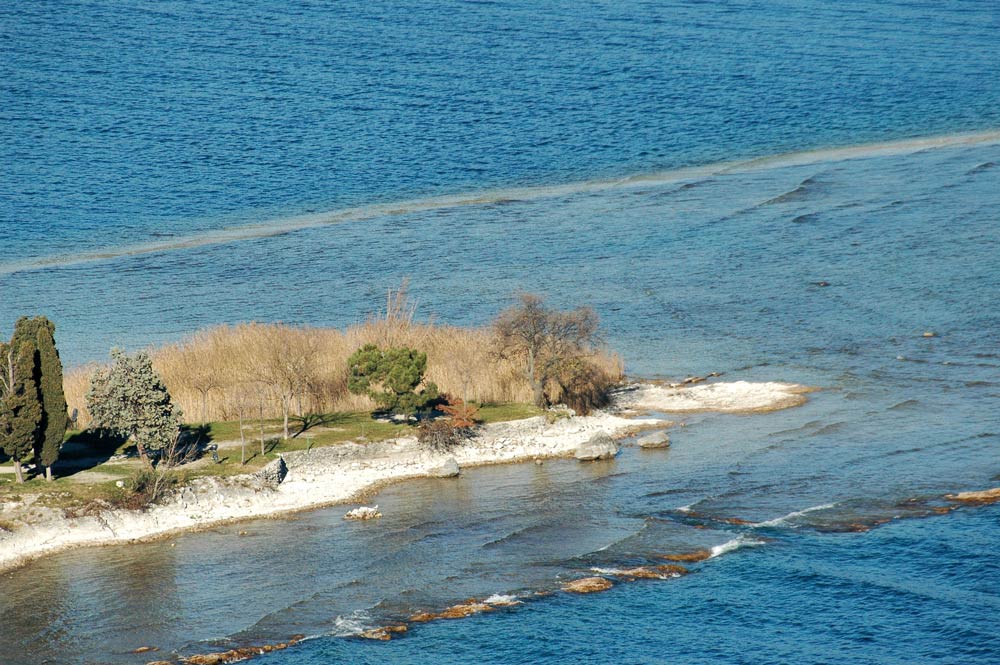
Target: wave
{"points": [[780, 521], [733, 545], [806, 188], [354, 623], [687, 175]]}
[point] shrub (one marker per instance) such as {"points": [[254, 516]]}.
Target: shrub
{"points": [[145, 487], [461, 413], [442, 435]]}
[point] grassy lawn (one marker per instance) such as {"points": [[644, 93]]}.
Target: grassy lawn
{"points": [[86, 471]]}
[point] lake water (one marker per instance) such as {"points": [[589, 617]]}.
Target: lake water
{"points": [[168, 167]]}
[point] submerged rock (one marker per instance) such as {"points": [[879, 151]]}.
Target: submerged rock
{"points": [[700, 555], [454, 612], [383, 633], [588, 585], [654, 440], [663, 572], [599, 446], [449, 469], [981, 497]]}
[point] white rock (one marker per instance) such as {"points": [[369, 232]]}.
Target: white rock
{"points": [[599, 446]]}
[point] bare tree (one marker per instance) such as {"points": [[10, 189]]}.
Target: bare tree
{"points": [[547, 342]]}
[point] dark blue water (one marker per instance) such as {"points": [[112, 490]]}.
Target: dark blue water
{"points": [[168, 166]]}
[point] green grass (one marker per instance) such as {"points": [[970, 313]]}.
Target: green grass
{"points": [[85, 451]]}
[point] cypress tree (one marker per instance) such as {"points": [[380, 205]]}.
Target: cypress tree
{"points": [[53, 429], [38, 332], [20, 407]]}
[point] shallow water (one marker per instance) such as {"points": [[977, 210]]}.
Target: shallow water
{"points": [[161, 125]]}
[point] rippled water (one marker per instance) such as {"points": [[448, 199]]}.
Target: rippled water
{"points": [[561, 140]]}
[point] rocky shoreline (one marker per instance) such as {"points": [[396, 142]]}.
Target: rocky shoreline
{"points": [[347, 472]]}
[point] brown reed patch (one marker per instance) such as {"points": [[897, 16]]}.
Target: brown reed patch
{"points": [[258, 369]]}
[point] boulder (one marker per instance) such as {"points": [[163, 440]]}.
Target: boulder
{"points": [[599, 446], [654, 440], [274, 472], [449, 469]]}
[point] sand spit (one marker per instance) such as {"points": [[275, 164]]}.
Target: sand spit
{"points": [[722, 397], [348, 472]]}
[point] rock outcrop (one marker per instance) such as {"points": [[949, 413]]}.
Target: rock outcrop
{"points": [[383, 633], [588, 585], [981, 497], [454, 612], [448, 469], [654, 440], [599, 446], [274, 473]]}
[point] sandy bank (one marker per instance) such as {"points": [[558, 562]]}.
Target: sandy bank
{"points": [[723, 397], [346, 472]]}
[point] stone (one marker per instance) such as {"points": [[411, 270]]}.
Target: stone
{"points": [[274, 473], [449, 469], [383, 633], [363, 513], [654, 440], [588, 585], [599, 446]]}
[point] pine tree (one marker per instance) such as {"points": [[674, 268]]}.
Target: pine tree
{"points": [[53, 399], [20, 407], [391, 377], [129, 398]]}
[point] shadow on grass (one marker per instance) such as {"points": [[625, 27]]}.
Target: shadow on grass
{"points": [[311, 420]]}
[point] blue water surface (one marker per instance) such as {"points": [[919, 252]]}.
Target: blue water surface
{"points": [[167, 166]]}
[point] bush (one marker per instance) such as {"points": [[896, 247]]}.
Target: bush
{"points": [[144, 488], [443, 435], [583, 386]]}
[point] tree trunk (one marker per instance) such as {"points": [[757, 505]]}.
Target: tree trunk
{"points": [[143, 456], [18, 474], [204, 399], [48, 473], [261, 405], [539, 392], [243, 440], [285, 407]]}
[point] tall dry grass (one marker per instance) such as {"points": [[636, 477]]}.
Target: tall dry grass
{"points": [[218, 372]]}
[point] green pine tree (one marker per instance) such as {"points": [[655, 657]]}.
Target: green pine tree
{"points": [[20, 407], [390, 377], [129, 398]]}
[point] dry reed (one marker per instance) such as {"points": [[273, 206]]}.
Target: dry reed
{"points": [[218, 372]]}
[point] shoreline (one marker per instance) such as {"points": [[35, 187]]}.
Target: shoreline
{"points": [[350, 472]]}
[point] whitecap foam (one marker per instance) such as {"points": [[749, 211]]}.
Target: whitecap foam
{"points": [[780, 521], [354, 623], [733, 545], [501, 599]]}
